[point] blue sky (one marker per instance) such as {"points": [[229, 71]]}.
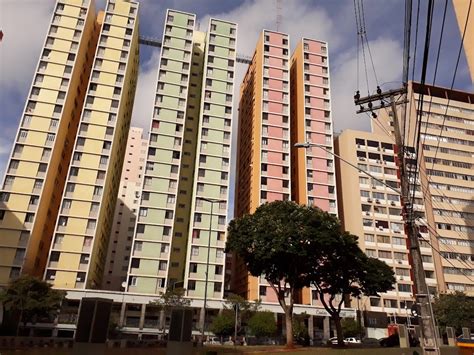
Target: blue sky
{"points": [[25, 23]]}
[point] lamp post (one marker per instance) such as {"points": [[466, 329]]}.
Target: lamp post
{"points": [[212, 201]]}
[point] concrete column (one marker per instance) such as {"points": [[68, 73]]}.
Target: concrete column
{"points": [[403, 336], [142, 316], [162, 320], [326, 328], [451, 336], [122, 314], [311, 328], [201, 319]]}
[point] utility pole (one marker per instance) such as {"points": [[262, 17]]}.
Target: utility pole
{"points": [[420, 289]]}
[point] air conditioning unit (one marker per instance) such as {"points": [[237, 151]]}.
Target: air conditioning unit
{"points": [[399, 261], [52, 277], [380, 228], [377, 201], [401, 278], [392, 203], [367, 213], [374, 187], [78, 279], [369, 200], [397, 231]]}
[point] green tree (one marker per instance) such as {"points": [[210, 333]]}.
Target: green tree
{"points": [[344, 270], [173, 298], [300, 330], [31, 298], [262, 324], [350, 328], [223, 324], [245, 309], [276, 242], [454, 310]]}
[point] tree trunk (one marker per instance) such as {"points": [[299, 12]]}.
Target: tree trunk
{"points": [[289, 327], [337, 322], [19, 323]]}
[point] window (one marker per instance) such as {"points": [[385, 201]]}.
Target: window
{"points": [[404, 288], [194, 251]]}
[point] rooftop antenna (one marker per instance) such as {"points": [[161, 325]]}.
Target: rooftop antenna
{"points": [[278, 15]]}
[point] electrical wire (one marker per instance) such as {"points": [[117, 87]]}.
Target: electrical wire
{"points": [[426, 53], [406, 137], [367, 42]]}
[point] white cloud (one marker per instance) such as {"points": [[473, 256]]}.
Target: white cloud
{"points": [[24, 25], [145, 94], [388, 66]]}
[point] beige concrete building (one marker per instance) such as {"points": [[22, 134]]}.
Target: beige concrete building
{"points": [[465, 21], [373, 211], [446, 169], [36, 171], [78, 253], [128, 201]]}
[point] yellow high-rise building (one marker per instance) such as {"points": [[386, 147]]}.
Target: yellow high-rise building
{"points": [[78, 251], [36, 172]]}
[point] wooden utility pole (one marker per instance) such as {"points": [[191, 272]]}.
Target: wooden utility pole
{"points": [[420, 289]]}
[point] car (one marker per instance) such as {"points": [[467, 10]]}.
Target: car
{"points": [[391, 341], [333, 340], [370, 341], [352, 340], [212, 341]]}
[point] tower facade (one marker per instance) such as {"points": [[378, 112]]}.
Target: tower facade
{"points": [[371, 210], [126, 210], [446, 160], [79, 249], [187, 160], [313, 180], [38, 164], [263, 156]]}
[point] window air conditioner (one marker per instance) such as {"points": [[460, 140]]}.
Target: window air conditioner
{"points": [[399, 261], [392, 203], [377, 201], [369, 200]]}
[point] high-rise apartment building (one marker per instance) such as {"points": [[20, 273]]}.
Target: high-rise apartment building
{"points": [[78, 252], [126, 210], [446, 165], [263, 147], [36, 172], [187, 162], [313, 180], [371, 209], [312, 169]]}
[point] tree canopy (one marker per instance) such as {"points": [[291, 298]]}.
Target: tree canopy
{"points": [[278, 242], [344, 270], [172, 298], [262, 324], [31, 298], [223, 324], [294, 246], [454, 310]]}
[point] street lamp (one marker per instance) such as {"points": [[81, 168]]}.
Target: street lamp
{"points": [[212, 201], [309, 145]]}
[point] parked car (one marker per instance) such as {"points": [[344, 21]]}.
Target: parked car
{"points": [[351, 340], [370, 341], [333, 340], [212, 341], [391, 341]]}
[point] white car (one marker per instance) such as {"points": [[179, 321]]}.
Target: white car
{"points": [[352, 341], [212, 341]]}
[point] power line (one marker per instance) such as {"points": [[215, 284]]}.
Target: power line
{"points": [[426, 53], [405, 140]]}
